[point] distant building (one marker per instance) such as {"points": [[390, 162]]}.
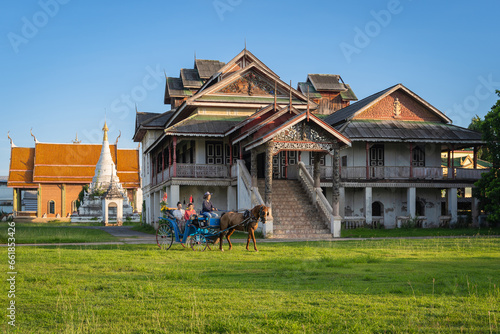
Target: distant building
{"points": [[6, 198], [47, 179]]}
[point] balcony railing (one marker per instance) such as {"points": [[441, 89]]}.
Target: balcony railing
{"points": [[192, 170], [405, 172]]}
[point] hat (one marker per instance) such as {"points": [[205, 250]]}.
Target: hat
{"points": [[207, 193]]}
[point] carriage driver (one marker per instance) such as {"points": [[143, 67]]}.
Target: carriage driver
{"points": [[208, 208]]}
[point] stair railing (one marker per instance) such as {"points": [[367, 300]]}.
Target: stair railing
{"points": [[317, 196]]}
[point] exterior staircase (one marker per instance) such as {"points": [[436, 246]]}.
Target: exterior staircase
{"points": [[295, 216]]}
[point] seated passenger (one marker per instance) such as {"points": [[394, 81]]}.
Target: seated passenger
{"points": [[208, 208], [189, 212], [179, 215]]}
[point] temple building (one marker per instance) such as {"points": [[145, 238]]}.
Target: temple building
{"points": [[48, 178], [320, 160]]}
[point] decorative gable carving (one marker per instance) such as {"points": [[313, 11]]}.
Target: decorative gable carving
{"points": [[304, 131], [250, 84], [401, 106]]}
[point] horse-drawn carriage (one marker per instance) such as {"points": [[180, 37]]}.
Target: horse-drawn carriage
{"points": [[200, 232]]}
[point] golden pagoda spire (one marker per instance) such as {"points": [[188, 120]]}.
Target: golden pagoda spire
{"points": [[105, 129]]}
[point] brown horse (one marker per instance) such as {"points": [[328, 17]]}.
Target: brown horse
{"points": [[234, 218]]}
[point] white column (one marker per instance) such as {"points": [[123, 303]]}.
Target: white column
{"points": [[119, 213], [174, 196], [411, 202], [452, 204], [231, 198], [368, 205], [342, 201]]}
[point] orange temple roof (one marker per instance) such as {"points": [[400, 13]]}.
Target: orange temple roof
{"points": [[68, 163]]}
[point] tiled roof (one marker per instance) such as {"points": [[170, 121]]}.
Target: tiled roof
{"points": [[414, 131], [68, 163], [175, 88], [206, 68], [205, 124], [313, 93], [326, 82], [348, 95], [190, 78]]}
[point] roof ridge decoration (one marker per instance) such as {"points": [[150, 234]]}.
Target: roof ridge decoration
{"points": [[11, 141], [246, 53], [32, 135]]}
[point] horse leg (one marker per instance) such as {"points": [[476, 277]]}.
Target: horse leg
{"points": [[252, 231], [228, 235], [221, 239]]}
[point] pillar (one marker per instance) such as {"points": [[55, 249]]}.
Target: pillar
{"points": [[63, 201], [368, 205], [316, 171], [232, 198], [475, 157], [367, 148], [452, 204], [475, 212], [174, 156], [411, 201], [336, 183], [269, 174], [253, 169], [341, 201], [15, 206], [174, 196], [39, 201]]}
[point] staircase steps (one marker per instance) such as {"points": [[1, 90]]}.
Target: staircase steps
{"points": [[295, 216]]}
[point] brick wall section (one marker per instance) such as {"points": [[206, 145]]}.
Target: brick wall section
{"points": [[411, 110], [51, 192], [72, 191]]}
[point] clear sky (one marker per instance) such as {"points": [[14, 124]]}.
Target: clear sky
{"points": [[63, 63]]}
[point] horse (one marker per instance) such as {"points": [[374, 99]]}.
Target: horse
{"points": [[235, 219]]}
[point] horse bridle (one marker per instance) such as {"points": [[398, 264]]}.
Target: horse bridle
{"points": [[262, 214]]}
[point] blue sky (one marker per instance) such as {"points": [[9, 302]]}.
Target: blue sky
{"points": [[65, 62]]}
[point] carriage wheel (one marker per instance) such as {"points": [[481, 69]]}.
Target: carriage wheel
{"points": [[164, 236], [198, 242]]}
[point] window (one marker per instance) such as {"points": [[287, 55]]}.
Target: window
{"points": [[377, 155], [418, 157], [73, 206], [321, 160], [214, 153], [52, 207], [344, 161]]}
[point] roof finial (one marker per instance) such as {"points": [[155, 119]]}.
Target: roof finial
{"points": [[290, 107], [116, 142], [164, 72], [275, 92], [136, 108], [32, 135], [11, 141], [105, 129], [76, 141], [308, 103]]}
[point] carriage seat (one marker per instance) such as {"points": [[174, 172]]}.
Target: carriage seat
{"points": [[205, 221]]}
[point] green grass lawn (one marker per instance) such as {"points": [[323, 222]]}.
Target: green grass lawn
{"points": [[417, 232], [27, 233], [432, 285]]}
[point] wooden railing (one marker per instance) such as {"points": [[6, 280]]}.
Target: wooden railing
{"points": [[326, 172], [192, 170], [391, 172]]}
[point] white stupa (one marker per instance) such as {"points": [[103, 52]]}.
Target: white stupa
{"points": [[105, 170], [106, 199]]}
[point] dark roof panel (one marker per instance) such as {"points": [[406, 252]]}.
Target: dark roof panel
{"points": [[348, 95], [393, 130], [326, 82], [190, 78], [175, 88], [313, 93], [206, 68], [205, 124]]}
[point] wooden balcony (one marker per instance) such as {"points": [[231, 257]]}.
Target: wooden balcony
{"points": [[198, 171], [407, 173]]}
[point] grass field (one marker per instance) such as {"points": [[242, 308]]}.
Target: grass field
{"points": [[418, 232], [27, 233], [433, 285]]}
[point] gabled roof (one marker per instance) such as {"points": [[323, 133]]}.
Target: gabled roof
{"points": [[175, 88], [348, 95], [150, 121], [21, 167], [291, 122], [190, 78], [347, 113], [305, 86], [247, 56], [206, 68], [329, 82]]}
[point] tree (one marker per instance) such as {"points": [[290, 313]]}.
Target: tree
{"points": [[476, 124], [488, 187]]}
